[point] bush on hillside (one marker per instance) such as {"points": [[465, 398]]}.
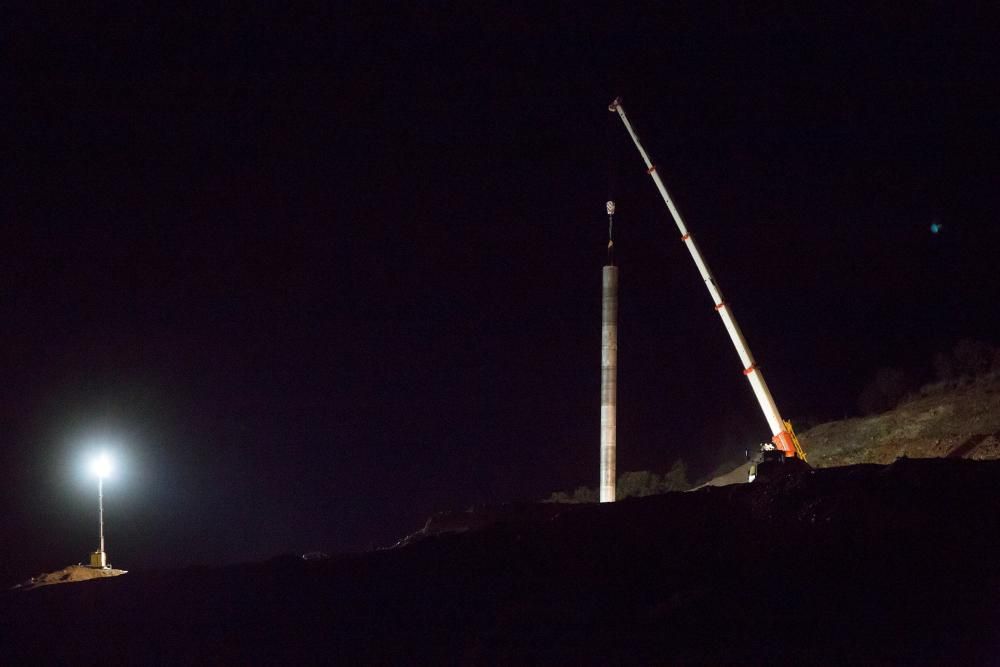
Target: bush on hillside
{"points": [[884, 391], [967, 360], [973, 358], [582, 494], [634, 484]]}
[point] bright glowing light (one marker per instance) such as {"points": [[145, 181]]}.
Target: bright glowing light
{"points": [[101, 465]]}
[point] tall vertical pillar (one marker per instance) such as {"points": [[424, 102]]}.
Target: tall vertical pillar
{"points": [[609, 382]]}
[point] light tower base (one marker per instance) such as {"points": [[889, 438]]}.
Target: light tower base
{"points": [[99, 559]]}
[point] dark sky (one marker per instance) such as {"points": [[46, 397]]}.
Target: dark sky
{"points": [[315, 274]]}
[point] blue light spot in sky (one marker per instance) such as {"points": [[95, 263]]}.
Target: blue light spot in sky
{"points": [[936, 227]]}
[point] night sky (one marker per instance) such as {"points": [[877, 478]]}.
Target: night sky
{"points": [[312, 275]]}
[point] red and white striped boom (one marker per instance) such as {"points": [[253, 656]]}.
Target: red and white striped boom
{"points": [[783, 438]]}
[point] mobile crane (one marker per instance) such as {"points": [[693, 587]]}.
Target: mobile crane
{"points": [[785, 443]]}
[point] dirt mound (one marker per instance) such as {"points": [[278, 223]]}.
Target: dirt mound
{"points": [[944, 421], [958, 420], [69, 575]]}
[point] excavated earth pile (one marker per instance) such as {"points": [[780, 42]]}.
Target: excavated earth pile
{"points": [[958, 420], [863, 564]]}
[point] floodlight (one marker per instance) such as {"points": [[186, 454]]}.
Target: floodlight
{"points": [[101, 465]]}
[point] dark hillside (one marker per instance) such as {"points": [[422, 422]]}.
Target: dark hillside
{"points": [[948, 420], [864, 564]]}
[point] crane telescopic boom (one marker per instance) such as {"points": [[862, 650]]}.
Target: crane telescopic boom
{"points": [[783, 436]]}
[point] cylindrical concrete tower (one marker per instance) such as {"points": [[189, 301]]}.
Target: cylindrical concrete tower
{"points": [[609, 382]]}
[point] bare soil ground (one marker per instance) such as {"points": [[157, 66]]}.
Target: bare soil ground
{"points": [[961, 420], [947, 420]]}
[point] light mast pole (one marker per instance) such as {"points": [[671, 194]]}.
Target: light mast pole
{"points": [[101, 466], [100, 509]]}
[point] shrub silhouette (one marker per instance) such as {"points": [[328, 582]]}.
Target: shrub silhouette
{"points": [[884, 391], [968, 359], [634, 484]]}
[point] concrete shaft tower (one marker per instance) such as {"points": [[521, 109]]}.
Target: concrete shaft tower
{"points": [[609, 382]]}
